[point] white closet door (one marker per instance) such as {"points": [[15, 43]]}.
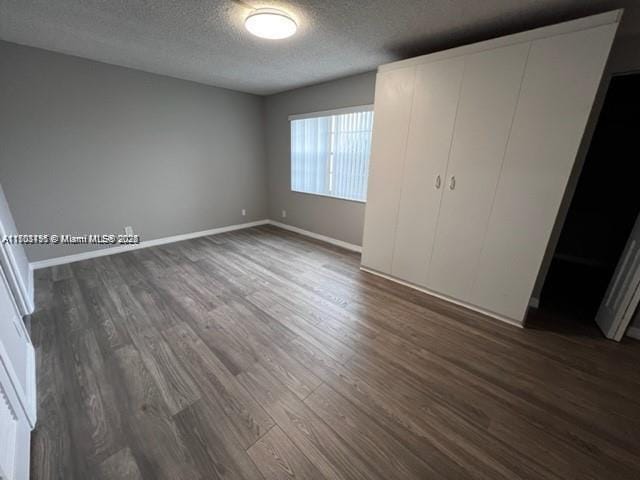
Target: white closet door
{"points": [[394, 94], [15, 433], [433, 115], [488, 100], [560, 83], [16, 350], [17, 389]]}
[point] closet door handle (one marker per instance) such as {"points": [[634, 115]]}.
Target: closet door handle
{"points": [[452, 183], [438, 182]]}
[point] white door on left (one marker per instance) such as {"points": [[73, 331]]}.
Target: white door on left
{"points": [[17, 389], [14, 433]]}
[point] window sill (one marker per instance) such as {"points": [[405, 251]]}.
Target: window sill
{"points": [[329, 196]]}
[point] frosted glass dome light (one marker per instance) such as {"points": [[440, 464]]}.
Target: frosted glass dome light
{"points": [[270, 23]]}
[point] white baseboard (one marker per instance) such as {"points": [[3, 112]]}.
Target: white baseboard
{"points": [[510, 321], [534, 302], [50, 262], [317, 236], [633, 332]]}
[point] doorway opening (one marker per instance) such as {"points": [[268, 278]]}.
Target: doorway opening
{"points": [[603, 210]]}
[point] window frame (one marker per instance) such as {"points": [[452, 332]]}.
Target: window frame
{"points": [[327, 113]]}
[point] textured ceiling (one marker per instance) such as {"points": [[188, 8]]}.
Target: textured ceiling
{"points": [[205, 41]]}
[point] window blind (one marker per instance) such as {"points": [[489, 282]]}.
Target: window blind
{"points": [[330, 154]]}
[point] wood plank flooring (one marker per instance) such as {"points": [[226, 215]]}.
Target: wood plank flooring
{"points": [[263, 354]]}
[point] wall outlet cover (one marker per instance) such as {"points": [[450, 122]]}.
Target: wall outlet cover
{"points": [[128, 230], [284, 214], [244, 212]]}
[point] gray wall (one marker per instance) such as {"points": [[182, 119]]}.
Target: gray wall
{"points": [[341, 219], [91, 147]]}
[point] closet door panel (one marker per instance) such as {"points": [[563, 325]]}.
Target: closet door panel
{"points": [[558, 90], [437, 90], [16, 350], [394, 94], [15, 432], [488, 100]]}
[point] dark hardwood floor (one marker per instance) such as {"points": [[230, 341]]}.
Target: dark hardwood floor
{"points": [[262, 354]]}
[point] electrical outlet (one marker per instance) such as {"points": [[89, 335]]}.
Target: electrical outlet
{"points": [[284, 214], [244, 212], [128, 230]]}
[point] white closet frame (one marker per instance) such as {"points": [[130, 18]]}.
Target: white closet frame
{"points": [[585, 23], [377, 261]]}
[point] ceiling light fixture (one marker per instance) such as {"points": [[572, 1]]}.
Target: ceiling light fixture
{"points": [[270, 23]]}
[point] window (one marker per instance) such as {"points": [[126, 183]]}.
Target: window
{"points": [[330, 152]]}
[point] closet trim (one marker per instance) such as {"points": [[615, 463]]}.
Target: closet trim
{"points": [[571, 26], [446, 298]]}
